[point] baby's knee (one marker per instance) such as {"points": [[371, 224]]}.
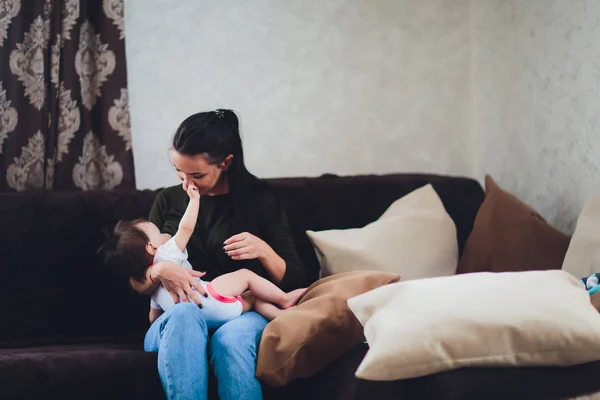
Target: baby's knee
{"points": [[243, 273]]}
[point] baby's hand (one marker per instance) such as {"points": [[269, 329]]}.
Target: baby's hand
{"points": [[193, 192]]}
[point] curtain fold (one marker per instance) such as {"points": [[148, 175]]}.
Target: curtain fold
{"points": [[64, 112]]}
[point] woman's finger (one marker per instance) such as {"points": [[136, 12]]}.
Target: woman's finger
{"points": [[246, 253], [245, 256], [240, 251], [196, 274], [235, 245], [235, 238], [198, 287], [175, 298], [194, 296], [182, 296]]}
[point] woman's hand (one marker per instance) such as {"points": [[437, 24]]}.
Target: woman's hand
{"points": [[179, 281], [246, 246]]}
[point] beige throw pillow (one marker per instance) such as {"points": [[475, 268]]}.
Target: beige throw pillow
{"points": [[583, 255], [415, 238], [534, 318]]}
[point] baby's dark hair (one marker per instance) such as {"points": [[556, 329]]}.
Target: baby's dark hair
{"points": [[125, 250]]}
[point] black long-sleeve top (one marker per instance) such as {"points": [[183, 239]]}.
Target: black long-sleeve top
{"points": [[264, 217]]}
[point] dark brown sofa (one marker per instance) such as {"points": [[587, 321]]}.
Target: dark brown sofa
{"points": [[69, 330]]}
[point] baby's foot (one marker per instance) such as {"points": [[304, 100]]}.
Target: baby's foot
{"points": [[291, 298]]}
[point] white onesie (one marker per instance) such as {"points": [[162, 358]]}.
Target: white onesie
{"points": [[217, 309]]}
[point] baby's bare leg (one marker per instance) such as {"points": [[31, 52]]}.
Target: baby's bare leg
{"points": [[236, 283], [267, 310], [249, 301], [264, 308]]}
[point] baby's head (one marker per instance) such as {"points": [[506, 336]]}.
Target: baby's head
{"points": [[131, 247]]}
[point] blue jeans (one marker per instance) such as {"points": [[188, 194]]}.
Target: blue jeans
{"points": [[182, 341]]}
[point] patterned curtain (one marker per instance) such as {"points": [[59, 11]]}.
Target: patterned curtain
{"points": [[64, 113]]}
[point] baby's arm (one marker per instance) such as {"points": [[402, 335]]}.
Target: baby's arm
{"points": [[154, 314], [188, 221]]}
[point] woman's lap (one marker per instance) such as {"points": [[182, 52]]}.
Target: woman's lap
{"points": [[233, 349], [181, 338]]}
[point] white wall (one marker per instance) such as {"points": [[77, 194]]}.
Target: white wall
{"points": [[536, 100], [341, 86], [505, 87]]}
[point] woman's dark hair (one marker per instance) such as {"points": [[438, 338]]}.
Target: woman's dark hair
{"points": [[217, 135], [125, 250]]}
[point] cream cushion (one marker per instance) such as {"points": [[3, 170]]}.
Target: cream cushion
{"points": [[583, 255], [415, 238], [535, 318]]}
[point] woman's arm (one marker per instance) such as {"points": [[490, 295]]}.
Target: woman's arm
{"points": [[277, 252], [274, 264], [180, 282], [148, 286], [246, 246], [282, 247]]}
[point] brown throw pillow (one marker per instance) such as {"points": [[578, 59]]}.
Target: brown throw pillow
{"points": [[308, 337], [509, 235]]}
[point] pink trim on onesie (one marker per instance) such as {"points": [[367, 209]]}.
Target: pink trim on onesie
{"points": [[223, 299]]}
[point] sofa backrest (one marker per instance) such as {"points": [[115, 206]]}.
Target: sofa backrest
{"points": [[52, 285], [332, 202]]}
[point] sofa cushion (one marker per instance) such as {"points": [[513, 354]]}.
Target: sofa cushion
{"points": [[533, 318], [306, 338], [509, 235], [415, 238], [338, 382]]}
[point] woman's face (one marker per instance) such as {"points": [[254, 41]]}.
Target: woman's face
{"points": [[196, 169]]}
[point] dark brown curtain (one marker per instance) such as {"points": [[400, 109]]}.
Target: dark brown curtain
{"points": [[64, 113]]}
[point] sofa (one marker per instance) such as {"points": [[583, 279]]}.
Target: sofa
{"points": [[71, 330]]}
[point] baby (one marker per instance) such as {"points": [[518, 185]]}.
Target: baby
{"points": [[138, 244]]}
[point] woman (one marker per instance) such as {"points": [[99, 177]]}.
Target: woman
{"points": [[240, 225]]}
